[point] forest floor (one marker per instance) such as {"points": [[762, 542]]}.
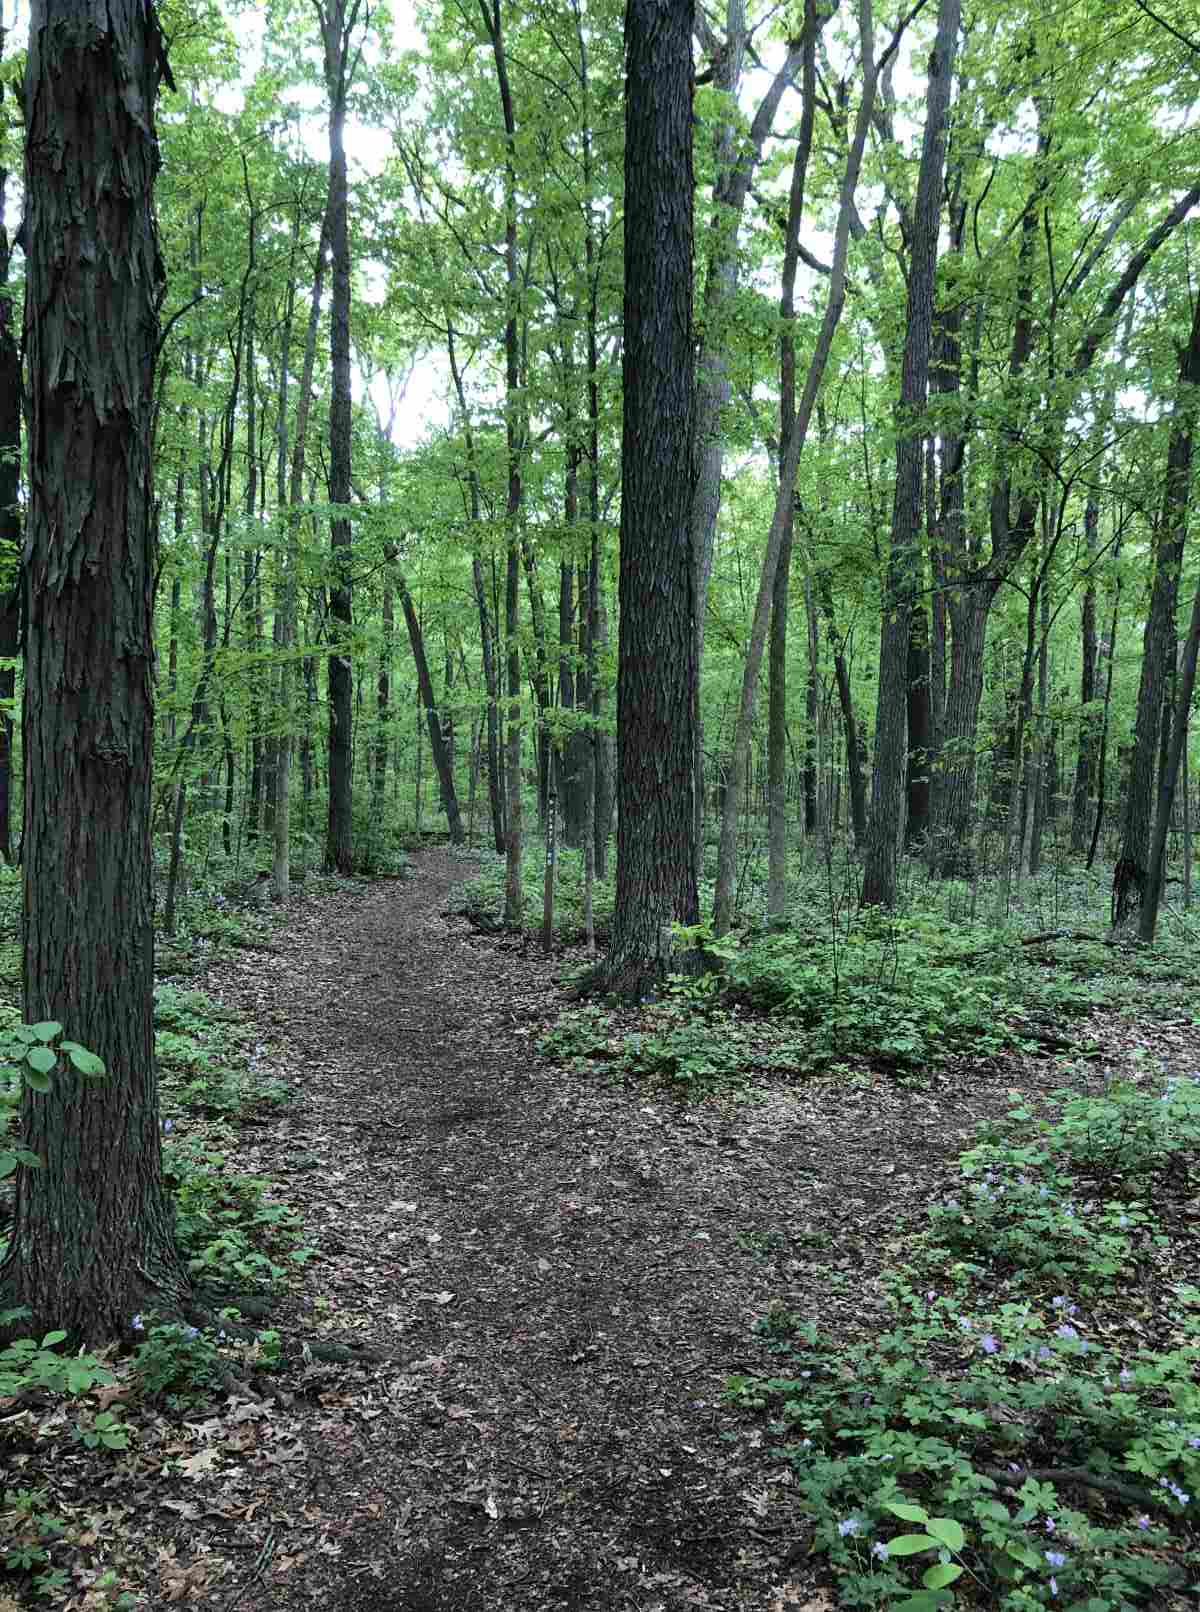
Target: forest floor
{"points": [[544, 1282]]}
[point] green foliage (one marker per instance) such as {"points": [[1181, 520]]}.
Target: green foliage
{"points": [[482, 898], [201, 1065], [28, 1367], [172, 1358], [227, 1228], [30, 1057], [1055, 1451], [28, 1532], [900, 991]]}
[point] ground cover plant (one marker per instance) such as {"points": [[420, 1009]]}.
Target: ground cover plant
{"points": [[1042, 1431]]}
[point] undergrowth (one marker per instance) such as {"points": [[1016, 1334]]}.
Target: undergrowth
{"points": [[1041, 1435], [901, 993]]}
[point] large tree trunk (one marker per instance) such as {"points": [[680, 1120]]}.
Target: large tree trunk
{"points": [[1130, 880], [91, 1241], [891, 717], [338, 20], [10, 535], [656, 676]]}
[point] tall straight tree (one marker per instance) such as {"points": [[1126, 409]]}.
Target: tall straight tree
{"points": [[338, 19], [656, 664], [891, 719], [91, 1240]]}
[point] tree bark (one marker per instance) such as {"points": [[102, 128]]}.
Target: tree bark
{"points": [[338, 19], [1133, 870], [891, 718], [656, 676], [91, 1242]]}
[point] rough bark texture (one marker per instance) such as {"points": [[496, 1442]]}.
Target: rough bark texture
{"points": [[1133, 868], [891, 718], [337, 25], [656, 688], [91, 1240], [10, 535]]}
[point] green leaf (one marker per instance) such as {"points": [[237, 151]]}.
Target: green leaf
{"points": [[910, 1544], [46, 1029], [52, 1338], [84, 1061], [942, 1573], [41, 1059], [948, 1531], [906, 1513], [36, 1080]]}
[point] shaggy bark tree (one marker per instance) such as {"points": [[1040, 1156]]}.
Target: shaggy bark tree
{"points": [[656, 669], [91, 1241], [338, 20]]}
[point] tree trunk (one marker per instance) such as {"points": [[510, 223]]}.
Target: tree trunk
{"points": [[338, 20], [656, 676], [1131, 878], [1085, 766], [91, 1241], [10, 537], [891, 718], [777, 700], [919, 762], [789, 462], [425, 699]]}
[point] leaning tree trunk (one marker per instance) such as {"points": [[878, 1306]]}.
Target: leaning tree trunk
{"points": [[91, 1243]]}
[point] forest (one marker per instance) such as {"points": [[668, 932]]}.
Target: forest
{"points": [[599, 969]]}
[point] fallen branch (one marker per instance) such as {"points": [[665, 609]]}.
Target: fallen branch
{"points": [[1079, 1475]]}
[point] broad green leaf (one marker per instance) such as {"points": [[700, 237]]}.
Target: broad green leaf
{"points": [[46, 1029], [37, 1080], [52, 1338], [910, 1544], [906, 1512], [84, 1061], [948, 1531], [940, 1574], [41, 1059]]}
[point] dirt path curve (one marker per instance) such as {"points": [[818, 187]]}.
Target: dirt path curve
{"points": [[562, 1274], [554, 1264]]}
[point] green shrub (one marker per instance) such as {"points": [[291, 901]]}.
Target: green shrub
{"points": [[229, 1231]]}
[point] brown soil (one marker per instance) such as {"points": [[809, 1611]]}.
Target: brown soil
{"points": [[552, 1278]]}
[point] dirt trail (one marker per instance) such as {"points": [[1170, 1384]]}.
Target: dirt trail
{"points": [[561, 1274]]}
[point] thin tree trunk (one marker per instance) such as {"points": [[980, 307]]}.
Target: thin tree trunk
{"points": [[789, 461], [891, 717]]}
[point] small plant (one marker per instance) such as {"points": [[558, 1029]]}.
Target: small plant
{"points": [[28, 1533], [29, 1057], [226, 1225], [28, 1367], [175, 1358]]}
